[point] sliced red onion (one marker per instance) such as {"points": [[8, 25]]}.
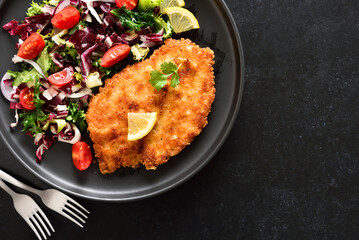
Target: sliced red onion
{"points": [[51, 116], [78, 69], [45, 83], [81, 93], [37, 138], [12, 125], [130, 36], [6, 87], [47, 9], [16, 105], [57, 62], [17, 59], [75, 88], [90, 7], [62, 114], [88, 18], [50, 93], [15, 93], [76, 137], [74, 2], [62, 5], [61, 108], [61, 96], [45, 143]]}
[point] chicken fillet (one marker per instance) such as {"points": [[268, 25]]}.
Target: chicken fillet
{"points": [[181, 111]]}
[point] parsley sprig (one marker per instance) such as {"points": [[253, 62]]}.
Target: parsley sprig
{"points": [[77, 116], [159, 79]]}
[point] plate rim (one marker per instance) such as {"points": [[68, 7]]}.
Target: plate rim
{"points": [[187, 174]]}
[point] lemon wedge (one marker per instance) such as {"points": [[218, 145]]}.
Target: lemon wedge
{"points": [[140, 124], [171, 3], [181, 19]]}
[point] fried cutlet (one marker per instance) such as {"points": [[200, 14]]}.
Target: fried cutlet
{"points": [[181, 112]]}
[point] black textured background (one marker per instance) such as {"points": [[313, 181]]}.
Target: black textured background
{"points": [[289, 169]]}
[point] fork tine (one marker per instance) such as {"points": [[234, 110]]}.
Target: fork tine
{"points": [[33, 228], [38, 226], [74, 214], [74, 208], [42, 223], [77, 204], [71, 218], [47, 220]]}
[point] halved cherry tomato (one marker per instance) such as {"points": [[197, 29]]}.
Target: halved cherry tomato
{"points": [[81, 155], [31, 47], [27, 98], [115, 55], [130, 4], [67, 18], [61, 78]]}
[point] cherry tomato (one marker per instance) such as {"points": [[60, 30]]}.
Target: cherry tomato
{"points": [[67, 18], [31, 47], [61, 78], [130, 4], [27, 98], [81, 155], [115, 55]]}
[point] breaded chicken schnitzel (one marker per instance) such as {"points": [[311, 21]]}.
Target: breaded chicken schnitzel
{"points": [[182, 111]]}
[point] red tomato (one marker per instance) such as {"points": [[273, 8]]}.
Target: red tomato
{"points": [[67, 18], [27, 98], [81, 155], [31, 47], [61, 78], [115, 55], [130, 4]]}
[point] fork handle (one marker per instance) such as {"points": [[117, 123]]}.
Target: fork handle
{"points": [[17, 183], [7, 189]]}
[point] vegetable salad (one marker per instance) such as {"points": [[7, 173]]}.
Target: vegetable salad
{"points": [[65, 51]]}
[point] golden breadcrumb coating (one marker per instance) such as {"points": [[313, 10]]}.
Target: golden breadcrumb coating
{"points": [[181, 112]]}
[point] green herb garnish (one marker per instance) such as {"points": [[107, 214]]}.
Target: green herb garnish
{"points": [[159, 79], [76, 116], [134, 20]]}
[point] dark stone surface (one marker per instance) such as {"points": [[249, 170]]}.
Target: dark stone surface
{"points": [[289, 169]]}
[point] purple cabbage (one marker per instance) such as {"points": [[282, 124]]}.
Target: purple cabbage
{"points": [[106, 7], [86, 64], [83, 39], [28, 26], [111, 41], [44, 142], [152, 39]]}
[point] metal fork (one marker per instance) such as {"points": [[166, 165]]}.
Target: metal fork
{"points": [[53, 199], [29, 211]]}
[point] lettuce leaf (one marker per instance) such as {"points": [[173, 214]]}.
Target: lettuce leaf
{"points": [[34, 9], [24, 76], [44, 61]]}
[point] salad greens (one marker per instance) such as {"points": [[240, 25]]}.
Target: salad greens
{"points": [[75, 54], [77, 116], [134, 20], [35, 9]]}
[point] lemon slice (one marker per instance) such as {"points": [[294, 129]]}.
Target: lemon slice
{"points": [[171, 3], [140, 124], [181, 19]]}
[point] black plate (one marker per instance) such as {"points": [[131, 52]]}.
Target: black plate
{"points": [[218, 31]]}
